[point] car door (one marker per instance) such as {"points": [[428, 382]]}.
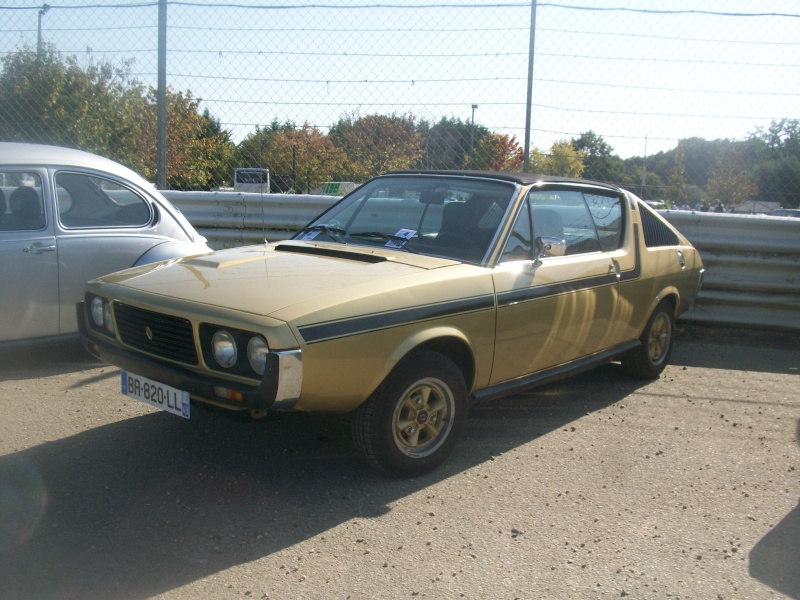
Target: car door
{"points": [[103, 226], [28, 257], [556, 309]]}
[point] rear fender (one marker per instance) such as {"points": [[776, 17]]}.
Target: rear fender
{"points": [[169, 250]]}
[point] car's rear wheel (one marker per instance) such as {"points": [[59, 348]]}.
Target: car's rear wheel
{"points": [[412, 422], [649, 359]]}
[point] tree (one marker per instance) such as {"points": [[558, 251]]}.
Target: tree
{"points": [[306, 153], [676, 182], [563, 160], [777, 166], [496, 152], [599, 162], [194, 152], [375, 144], [45, 99], [100, 108], [731, 180], [447, 142]]}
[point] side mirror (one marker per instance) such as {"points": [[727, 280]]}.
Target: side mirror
{"points": [[549, 246]]}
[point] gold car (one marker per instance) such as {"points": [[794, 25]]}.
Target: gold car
{"points": [[414, 296]]}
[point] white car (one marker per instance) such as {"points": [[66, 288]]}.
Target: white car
{"points": [[66, 217]]}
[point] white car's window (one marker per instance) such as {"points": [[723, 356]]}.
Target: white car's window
{"points": [[21, 207], [86, 201], [607, 214], [563, 214]]}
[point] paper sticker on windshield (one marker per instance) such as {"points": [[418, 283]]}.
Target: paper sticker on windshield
{"points": [[404, 234]]}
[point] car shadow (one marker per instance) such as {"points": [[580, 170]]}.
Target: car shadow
{"points": [[775, 558], [147, 504], [721, 348], [45, 360]]}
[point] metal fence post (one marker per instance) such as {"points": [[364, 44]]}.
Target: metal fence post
{"points": [[161, 128]]}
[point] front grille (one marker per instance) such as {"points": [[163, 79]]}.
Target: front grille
{"points": [[155, 333]]}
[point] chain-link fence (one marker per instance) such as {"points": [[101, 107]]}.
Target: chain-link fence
{"points": [[684, 102]]}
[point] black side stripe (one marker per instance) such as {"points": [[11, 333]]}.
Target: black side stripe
{"points": [[555, 289], [319, 332], [334, 329]]}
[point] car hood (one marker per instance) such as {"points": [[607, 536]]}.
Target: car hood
{"points": [[266, 279]]}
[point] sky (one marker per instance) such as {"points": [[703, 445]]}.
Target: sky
{"points": [[642, 74]]}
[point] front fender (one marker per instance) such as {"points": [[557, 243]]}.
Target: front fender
{"points": [[170, 249], [450, 341]]}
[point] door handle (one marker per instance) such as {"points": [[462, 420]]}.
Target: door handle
{"points": [[38, 248]]}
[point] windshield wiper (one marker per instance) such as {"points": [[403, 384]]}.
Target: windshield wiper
{"points": [[399, 240], [334, 232]]}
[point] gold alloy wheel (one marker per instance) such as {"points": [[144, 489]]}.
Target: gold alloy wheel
{"points": [[423, 417], [658, 341]]}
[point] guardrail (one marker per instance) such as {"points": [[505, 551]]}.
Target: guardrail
{"points": [[752, 262], [752, 269]]}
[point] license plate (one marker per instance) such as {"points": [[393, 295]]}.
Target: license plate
{"points": [[156, 394]]}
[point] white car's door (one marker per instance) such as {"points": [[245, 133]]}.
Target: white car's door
{"points": [[103, 226], [28, 258]]}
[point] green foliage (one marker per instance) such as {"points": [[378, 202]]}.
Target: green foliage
{"points": [[496, 152], [100, 108], [777, 169], [731, 180], [563, 160], [46, 99], [599, 163], [448, 142], [375, 144]]}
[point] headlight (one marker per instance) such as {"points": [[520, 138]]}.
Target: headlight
{"points": [[109, 323], [257, 351], [224, 347], [96, 310]]}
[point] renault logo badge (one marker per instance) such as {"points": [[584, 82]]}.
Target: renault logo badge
{"points": [[149, 333]]}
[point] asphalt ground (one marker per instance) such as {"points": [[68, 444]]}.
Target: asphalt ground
{"points": [[594, 487]]}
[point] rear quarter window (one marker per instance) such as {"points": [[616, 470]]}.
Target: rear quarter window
{"points": [[87, 201]]}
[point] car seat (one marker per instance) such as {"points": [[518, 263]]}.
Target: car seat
{"points": [[26, 208]]}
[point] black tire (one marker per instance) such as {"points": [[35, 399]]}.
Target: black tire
{"points": [[649, 359], [412, 422]]}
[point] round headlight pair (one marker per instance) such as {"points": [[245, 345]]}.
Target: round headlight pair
{"points": [[224, 347], [100, 311], [226, 353], [257, 351]]}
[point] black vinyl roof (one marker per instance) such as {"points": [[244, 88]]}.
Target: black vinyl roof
{"points": [[519, 178]]}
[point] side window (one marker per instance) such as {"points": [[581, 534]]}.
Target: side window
{"points": [[87, 201], [606, 212], [520, 241], [21, 206], [563, 214]]}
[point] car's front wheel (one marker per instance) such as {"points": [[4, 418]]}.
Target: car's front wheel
{"points": [[412, 422], [651, 357]]}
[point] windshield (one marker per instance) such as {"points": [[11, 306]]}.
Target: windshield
{"points": [[453, 217]]}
